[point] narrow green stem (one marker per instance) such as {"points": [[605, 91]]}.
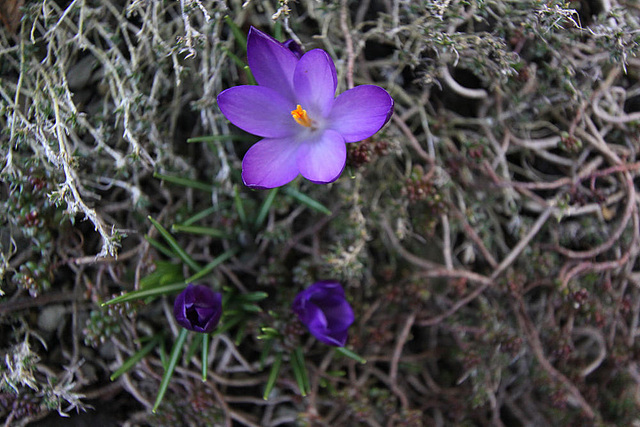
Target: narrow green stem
{"points": [[168, 373], [205, 356]]}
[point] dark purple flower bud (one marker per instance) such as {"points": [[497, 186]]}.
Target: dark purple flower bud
{"points": [[198, 308], [294, 47], [323, 309]]}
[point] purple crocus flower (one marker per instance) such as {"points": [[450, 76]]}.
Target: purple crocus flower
{"points": [[294, 108], [323, 309], [198, 308]]}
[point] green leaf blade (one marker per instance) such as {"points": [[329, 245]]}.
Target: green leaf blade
{"points": [[185, 182], [307, 201], [350, 354], [131, 362], [171, 241], [273, 376], [147, 293], [168, 373]]}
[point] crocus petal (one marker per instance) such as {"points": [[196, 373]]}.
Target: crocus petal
{"points": [[215, 316], [202, 296], [360, 112], [188, 295], [325, 287], [338, 339], [271, 63], [313, 317], [339, 312], [270, 163], [198, 308], [258, 110], [322, 160], [315, 82], [179, 308], [204, 312]]}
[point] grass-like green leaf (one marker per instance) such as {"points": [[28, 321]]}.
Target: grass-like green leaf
{"points": [[273, 376], [239, 206], [277, 31], [160, 247], [166, 273], [254, 296], [175, 246], [146, 293], [239, 62], [251, 308], [247, 71], [137, 356], [201, 215], [168, 373], [297, 375], [350, 354], [214, 138], [269, 333], [305, 377], [196, 229], [185, 182], [268, 344], [300, 371], [238, 34], [228, 324], [193, 347], [266, 205], [240, 333], [164, 361], [306, 200], [212, 265], [205, 356]]}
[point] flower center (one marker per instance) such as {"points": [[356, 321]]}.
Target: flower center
{"points": [[300, 116], [193, 316]]}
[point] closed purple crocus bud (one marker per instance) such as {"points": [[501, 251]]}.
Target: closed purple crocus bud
{"points": [[198, 308], [294, 47], [323, 309]]}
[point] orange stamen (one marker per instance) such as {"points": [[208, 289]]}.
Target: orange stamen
{"points": [[301, 117]]}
